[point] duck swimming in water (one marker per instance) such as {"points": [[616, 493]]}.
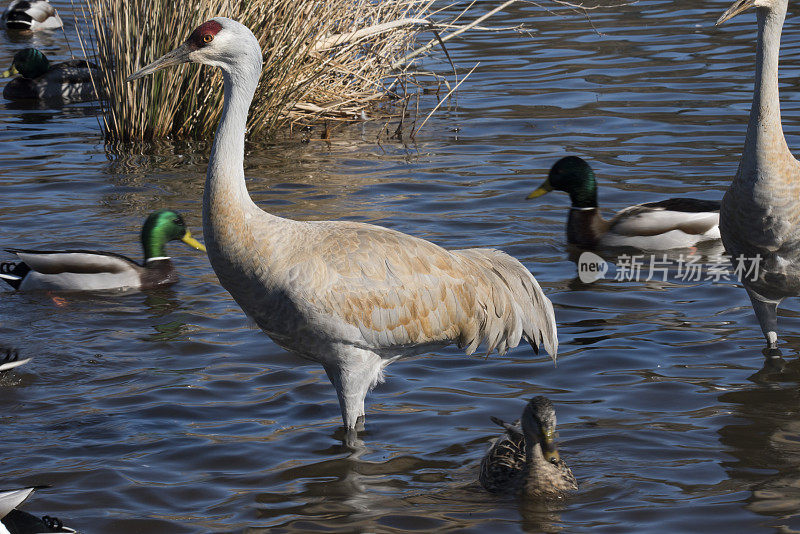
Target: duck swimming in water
{"points": [[70, 81], [525, 459], [88, 270], [30, 15], [663, 225]]}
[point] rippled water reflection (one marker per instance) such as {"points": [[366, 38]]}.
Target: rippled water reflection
{"points": [[167, 412]]}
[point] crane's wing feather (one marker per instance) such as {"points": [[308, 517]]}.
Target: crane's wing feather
{"points": [[399, 291]]}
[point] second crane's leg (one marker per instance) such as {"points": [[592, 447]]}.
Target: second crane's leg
{"points": [[354, 372], [767, 315]]}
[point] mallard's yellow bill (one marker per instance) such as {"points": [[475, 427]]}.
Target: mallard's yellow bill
{"points": [[543, 190], [192, 242], [551, 456], [10, 72], [549, 449]]}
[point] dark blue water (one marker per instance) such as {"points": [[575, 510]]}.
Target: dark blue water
{"points": [[167, 412]]}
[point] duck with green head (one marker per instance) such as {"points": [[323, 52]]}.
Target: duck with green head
{"points": [[88, 270], [663, 225], [38, 79]]}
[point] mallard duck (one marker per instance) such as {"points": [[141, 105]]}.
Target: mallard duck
{"points": [[760, 217], [70, 81], [31, 15], [525, 459], [353, 297], [662, 225], [13, 521], [11, 360], [87, 270]]}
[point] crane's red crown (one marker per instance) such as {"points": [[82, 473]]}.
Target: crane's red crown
{"points": [[204, 34]]}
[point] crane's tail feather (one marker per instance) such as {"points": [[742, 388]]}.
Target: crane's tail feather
{"points": [[514, 306]]}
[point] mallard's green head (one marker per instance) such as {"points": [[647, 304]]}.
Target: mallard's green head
{"points": [[161, 227], [574, 176], [539, 426], [28, 62]]}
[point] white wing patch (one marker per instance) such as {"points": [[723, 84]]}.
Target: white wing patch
{"points": [[660, 221], [43, 16], [74, 262], [35, 281], [13, 498]]}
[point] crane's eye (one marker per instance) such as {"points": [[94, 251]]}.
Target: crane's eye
{"points": [[207, 38]]}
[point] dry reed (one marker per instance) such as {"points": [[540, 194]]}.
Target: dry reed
{"points": [[322, 58], [301, 79]]}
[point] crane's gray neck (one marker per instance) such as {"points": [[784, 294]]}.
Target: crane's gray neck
{"points": [[226, 202], [765, 138], [225, 173]]}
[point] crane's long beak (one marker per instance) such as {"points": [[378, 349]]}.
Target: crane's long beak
{"points": [[176, 57], [737, 7], [192, 242], [542, 190]]}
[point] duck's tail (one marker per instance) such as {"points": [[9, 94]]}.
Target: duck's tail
{"points": [[12, 272], [9, 361]]}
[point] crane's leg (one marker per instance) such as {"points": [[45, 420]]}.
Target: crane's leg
{"points": [[353, 374], [767, 315]]}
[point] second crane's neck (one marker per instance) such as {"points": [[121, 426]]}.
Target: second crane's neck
{"points": [[765, 145], [226, 202]]}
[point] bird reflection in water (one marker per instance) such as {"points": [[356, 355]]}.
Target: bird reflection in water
{"points": [[355, 488], [163, 304], [764, 443]]}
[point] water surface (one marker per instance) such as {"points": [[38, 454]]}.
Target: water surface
{"points": [[167, 412]]}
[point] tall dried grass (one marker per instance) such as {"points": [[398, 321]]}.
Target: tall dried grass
{"points": [[322, 58], [306, 71]]}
